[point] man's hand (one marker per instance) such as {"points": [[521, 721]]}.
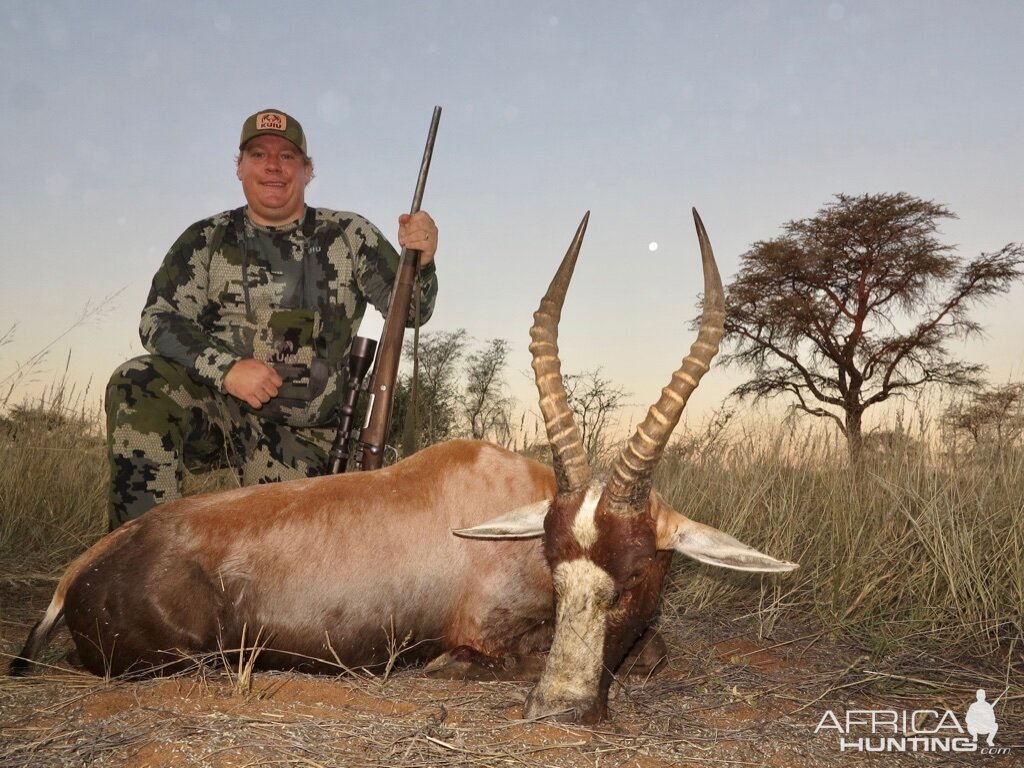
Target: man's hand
{"points": [[253, 382], [417, 232]]}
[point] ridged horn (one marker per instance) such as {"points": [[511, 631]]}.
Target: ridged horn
{"points": [[629, 479], [567, 452]]}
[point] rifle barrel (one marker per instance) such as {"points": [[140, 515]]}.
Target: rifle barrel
{"points": [[385, 370], [428, 151]]}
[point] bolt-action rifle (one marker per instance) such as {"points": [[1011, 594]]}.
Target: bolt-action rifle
{"points": [[372, 437]]}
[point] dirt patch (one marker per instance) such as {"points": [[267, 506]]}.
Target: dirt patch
{"points": [[741, 650], [725, 696]]}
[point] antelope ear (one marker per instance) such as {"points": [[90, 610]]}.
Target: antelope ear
{"points": [[712, 546], [523, 523]]}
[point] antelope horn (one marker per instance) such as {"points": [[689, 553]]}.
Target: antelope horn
{"points": [[568, 455], [630, 477]]}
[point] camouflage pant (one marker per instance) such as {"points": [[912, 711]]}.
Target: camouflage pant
{"points": [[160, 421]]}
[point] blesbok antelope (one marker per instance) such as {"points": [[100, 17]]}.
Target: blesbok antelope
{"points": [[342, 570]]}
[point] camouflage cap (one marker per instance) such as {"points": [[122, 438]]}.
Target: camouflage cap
{"points": [[273, 122]]}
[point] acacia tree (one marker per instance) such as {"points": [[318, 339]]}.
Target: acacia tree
{"points": [[855, 305], [991, 415], [457, 394], [486, 408], [593, 400], [437, 391]]}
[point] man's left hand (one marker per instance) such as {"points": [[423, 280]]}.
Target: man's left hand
{"points": [[418, 232]]}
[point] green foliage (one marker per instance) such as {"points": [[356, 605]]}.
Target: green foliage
{"points": [[437, 388], [486, 410], [458, 393]]}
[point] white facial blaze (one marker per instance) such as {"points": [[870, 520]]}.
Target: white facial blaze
{"points": [[573, 670], [584, 527]]}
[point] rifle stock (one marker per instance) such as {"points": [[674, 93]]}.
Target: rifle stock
{"points": [[360, 358], [385, 371]]}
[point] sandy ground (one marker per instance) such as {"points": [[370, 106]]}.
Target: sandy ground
{"points": [[725, 697]]}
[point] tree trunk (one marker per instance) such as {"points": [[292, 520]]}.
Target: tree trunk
{"points": [[854, 435]]}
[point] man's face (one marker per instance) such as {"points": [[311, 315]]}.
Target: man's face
{"points": [[274, 174]]}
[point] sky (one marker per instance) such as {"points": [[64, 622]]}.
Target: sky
{"points": [[121, 122]]}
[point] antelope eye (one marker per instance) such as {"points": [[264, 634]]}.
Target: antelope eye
{"points": [[632, 579]]}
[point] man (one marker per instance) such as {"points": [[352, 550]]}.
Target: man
{"points": [[249, 322], [981, 718]]}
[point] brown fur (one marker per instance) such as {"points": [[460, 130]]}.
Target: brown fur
{"points": [[349, 566]]}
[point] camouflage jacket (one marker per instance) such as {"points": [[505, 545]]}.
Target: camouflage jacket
{"points": [[203, 312]]}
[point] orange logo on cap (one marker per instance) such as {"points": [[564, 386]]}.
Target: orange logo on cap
{"points": [[271, 121]]}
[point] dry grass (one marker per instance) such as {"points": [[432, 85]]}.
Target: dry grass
{"points": [[910, 593], [722, 700], [909, 549], [53, 482]]}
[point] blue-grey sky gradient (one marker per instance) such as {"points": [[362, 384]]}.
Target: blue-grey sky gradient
{"points": [[121, 121]]}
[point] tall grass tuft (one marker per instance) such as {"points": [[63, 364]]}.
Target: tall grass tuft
{"points": [[53, 481], [907, 547]]}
